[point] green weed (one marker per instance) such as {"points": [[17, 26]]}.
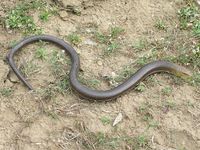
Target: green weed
{"points": [[138, 142], [104, 141], [196, 79], [104, 39], [107, 142], [191, 57], [18, 17], [47, 12], [105, 120], [110, 40], [12, 43], [44, 15], [140, 44], [170, 104], [112, 47], [166, 91], [116, 31], [196, 29], [41, 53], [126, 72], [6, 92], [59, 63], [141, 87], [47, 93], [74, 39], [160, 24], [92, 83], [29, 68], [143, 60], [188, 15], [63, 85], [142, 141]]}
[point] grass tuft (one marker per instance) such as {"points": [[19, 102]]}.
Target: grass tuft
{"points": [[6, 92], [160, 24], [110, 40], [41, 53], [19, 18], [74, 38]]}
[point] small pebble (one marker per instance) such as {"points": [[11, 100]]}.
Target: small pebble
{"points": [[90, 42], [198, 2], [64, 15], [13, 78], [99, 63], [113, 74]]}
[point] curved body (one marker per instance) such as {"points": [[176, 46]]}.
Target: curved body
{"points": [[154, 67]]}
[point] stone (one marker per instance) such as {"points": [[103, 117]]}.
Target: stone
{"points": [[13, 78], [90, 42], [63, 14], [99, 63]]}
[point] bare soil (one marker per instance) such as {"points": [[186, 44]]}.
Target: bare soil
{"points": [[29, 121]]}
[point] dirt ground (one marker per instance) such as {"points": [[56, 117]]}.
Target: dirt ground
{"points": [[165, 115]]}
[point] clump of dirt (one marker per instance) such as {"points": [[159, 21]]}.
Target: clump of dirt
{"points": [[4, 71], [162, 113]]}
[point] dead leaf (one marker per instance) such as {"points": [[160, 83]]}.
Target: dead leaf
{"points": [[118, 119]]}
